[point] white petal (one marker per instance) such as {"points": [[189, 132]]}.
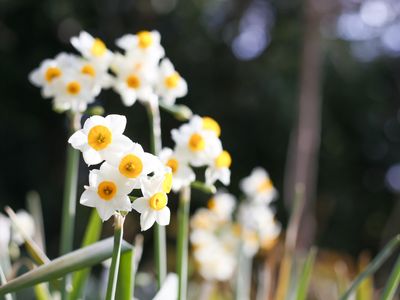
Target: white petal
{"points": [[105, 211], [117, 123], [141, 204], [122, 203], [89, 198], [78, 139], [92, 157], [163, 216], [147, 219]]}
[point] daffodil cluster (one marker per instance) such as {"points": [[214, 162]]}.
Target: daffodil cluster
{"points": [[197, 144], [140, 73], [125, 166], [256, 217], [214, 238]]}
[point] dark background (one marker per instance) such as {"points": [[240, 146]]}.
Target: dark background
{"points": [[252, 94]]}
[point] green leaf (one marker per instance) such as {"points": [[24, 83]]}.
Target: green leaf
{"points": [[92, 235], [4, 281], [42, 292], [35, 209], [373, 266], [76, 260], [201, 186], [33, 249], [126, 274], [393, 282], [305, 275]]}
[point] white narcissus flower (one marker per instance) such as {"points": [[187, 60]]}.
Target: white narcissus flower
{"points": [[98, 75], [219, 169], [134, 79], [73, 91], [92, 49], [50, 71], [101, 138], [134, 164], [27, 223], [153, 205], [223, 205], [106, 192], [196, 143], [258, 186], [170, 85], [145, 45], [182, 174]]}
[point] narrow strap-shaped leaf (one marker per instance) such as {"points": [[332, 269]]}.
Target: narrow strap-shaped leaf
{"points": [[126, 275], [73, 261], [305, 275], [393, 282], [42, 292], [374, 265], [4, 281], [92, 235], [35, 209], [33, 249]]}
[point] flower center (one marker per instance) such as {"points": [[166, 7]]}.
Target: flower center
{"points": [[158, 201], [73, 87], [265, 185], [131, 166], [172, 80], [98, 48], [145, 39], [107, 190], [133, 81], [167, 183], [211, 124], [88, 70], [173, 164], [99, 137], [223, 160], [52, 73], [196, 142], [211, 204]]}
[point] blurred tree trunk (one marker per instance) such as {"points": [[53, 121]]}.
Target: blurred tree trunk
{"points": [[303, 152]]}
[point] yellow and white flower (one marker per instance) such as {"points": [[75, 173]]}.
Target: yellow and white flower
{"points": [[170, 85], [196, 143], [101, 138], [73, 91], [219, 169], [134, 79], [222, 204], [145, 45], [92, 49], [153, 205], [50, 71], [182, 174], [106, 192], [134, 164], [98, 75], [258, 187]]}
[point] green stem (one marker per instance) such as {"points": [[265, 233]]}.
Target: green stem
{"points": [[243, 275], [69, 203], [160, 243], [182, 243], [116, 255]]}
